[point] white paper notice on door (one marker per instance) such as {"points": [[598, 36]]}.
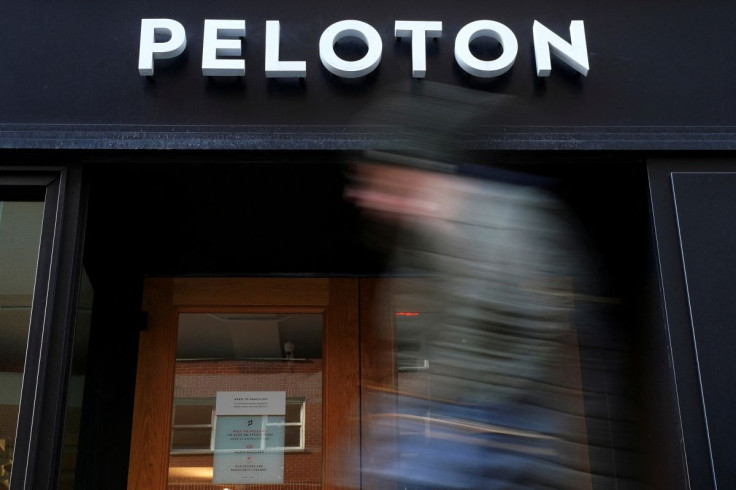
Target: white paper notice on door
{"points": [[250, 403], [249, 437]]}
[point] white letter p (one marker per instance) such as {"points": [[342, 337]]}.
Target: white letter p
{"points": [[150, 49]]}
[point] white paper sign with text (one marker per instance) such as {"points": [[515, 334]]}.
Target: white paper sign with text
{"points": [[250, 403]]}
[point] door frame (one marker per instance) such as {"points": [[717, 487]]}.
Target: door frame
{"points": [[165, 297]]}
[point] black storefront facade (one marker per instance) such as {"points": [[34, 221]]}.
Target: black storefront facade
{"points": [[182, 175]]}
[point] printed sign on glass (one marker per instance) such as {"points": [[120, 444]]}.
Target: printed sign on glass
{"points": [[249, 437]]}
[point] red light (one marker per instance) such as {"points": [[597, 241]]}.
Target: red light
{"points": [[407, 313]]}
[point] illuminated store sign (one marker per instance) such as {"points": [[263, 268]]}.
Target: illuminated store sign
{"points": [[166, 38]]}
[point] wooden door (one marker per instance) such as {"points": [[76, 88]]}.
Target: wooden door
{"points": [[166, 298]]}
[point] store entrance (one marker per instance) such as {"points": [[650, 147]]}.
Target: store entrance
{"points": [[288, 383], [287, 227], [246, 381]]}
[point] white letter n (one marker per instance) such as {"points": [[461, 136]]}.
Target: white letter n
{"points": [[574, 53]]}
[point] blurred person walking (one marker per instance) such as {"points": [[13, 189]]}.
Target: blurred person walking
{"points": [[496, 256]]}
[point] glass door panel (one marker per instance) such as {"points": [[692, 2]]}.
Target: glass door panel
{"points": [[247, 405], [433, 418]]}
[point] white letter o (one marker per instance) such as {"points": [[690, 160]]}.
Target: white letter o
{"points": [[350, 28], [482, 68]]}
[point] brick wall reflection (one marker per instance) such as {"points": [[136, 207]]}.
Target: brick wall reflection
{"points": [[302, 469]]}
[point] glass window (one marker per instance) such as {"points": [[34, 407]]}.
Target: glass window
{"points": [[20, 234], [193, 421], [225, 360]]}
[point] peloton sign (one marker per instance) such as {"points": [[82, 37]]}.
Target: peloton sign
{"points": [[166, 38]]}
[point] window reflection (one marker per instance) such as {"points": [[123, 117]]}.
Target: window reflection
{"points": [[20, 234], [247, 353]]}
